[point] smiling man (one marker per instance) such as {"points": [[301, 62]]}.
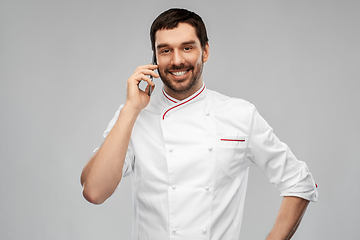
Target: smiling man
{"points": [[188, 149], [180, 58]]}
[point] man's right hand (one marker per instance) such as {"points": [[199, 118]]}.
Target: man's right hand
{"points": [[137, 98]]}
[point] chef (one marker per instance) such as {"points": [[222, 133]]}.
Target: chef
{"points": [[188, 149]]}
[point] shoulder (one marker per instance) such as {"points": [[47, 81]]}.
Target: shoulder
{"points": [[221, 102], [230, 115]]}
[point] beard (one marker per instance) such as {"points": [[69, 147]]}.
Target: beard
{"points": [[184, 85]]}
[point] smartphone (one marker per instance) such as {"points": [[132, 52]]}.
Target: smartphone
{"points": [[151, 77]]}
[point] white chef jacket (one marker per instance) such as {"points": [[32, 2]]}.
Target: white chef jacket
{"points": [[189, 164]]}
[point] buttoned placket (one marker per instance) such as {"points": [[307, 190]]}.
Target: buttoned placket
{"points": [[171, 152]]}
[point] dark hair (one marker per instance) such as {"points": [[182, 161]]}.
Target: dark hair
{"points": [[170, 20]]}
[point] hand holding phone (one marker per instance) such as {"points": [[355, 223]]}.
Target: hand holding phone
{"points": [[137, 97]]}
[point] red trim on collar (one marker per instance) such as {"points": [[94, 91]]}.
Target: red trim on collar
{"points": [[183, 102], [168, 97]]}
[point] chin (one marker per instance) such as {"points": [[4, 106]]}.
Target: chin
{"points": [[183, 86]]}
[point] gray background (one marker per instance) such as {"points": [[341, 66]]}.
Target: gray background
{"points": [[63, 71]]}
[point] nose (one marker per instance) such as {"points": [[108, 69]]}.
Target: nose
{"points": [[177, 58]]}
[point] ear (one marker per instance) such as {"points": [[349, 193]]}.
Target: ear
{"points": [[206, 52]]}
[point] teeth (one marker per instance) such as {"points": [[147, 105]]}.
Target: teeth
{"points": [[179, 73]]}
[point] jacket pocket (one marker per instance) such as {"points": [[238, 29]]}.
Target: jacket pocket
{"points": [[231, 153]]}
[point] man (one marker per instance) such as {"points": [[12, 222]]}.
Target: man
{"points": [[188, 149]]}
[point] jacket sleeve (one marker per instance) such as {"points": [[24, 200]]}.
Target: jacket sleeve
{"points": [[290, 176]]}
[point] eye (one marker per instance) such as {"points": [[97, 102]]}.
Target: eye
{"points": [[164, 51], [188, 48]]}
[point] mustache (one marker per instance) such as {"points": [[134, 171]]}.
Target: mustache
{"points": [[181, 67]]}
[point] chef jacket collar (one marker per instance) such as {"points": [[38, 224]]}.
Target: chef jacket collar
{"points": [[170, 100], [175, 104], [168, 97]]}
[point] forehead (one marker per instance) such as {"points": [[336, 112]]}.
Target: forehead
{"points": [[182, 33]]}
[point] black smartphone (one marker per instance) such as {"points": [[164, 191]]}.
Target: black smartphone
{"points": [[151, 77]]}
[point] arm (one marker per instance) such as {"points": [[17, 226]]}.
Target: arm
{"points": [[291, 211], [103, 172], [286, 172]]}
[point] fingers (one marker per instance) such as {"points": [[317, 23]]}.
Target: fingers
{"points": [[136, 97], [147, 89], [152, 73], [149, 67], [148, 70], [143, 73], [142, 77]]}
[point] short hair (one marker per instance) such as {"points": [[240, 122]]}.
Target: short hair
{"points": [[170, 20]]}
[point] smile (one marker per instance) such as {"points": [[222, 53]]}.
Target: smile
{"points": [[178, 74]]}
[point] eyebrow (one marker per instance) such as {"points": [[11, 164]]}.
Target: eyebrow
{"points": [[162, 45], [191, 42]]}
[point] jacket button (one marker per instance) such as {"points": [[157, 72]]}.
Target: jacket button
{"points": [[173, 187], [171, 150], [174, 230], [204, 230], [210, 149], [207, 188]]}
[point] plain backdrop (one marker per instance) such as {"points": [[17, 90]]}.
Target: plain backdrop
{"points": [[63, 71]]}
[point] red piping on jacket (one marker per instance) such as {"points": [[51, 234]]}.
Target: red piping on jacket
{"points": [[233, 140], [183, 102], [168, 97]]}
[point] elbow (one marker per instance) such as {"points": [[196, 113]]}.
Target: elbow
{"points": [[92, 196], [89, 193]]}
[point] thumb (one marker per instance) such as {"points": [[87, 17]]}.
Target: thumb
{"points": [[149, 89]]}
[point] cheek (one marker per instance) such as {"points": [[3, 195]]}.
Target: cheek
{"points": [[199, 62], [197, 59], [161, 65], [162, 62]]}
